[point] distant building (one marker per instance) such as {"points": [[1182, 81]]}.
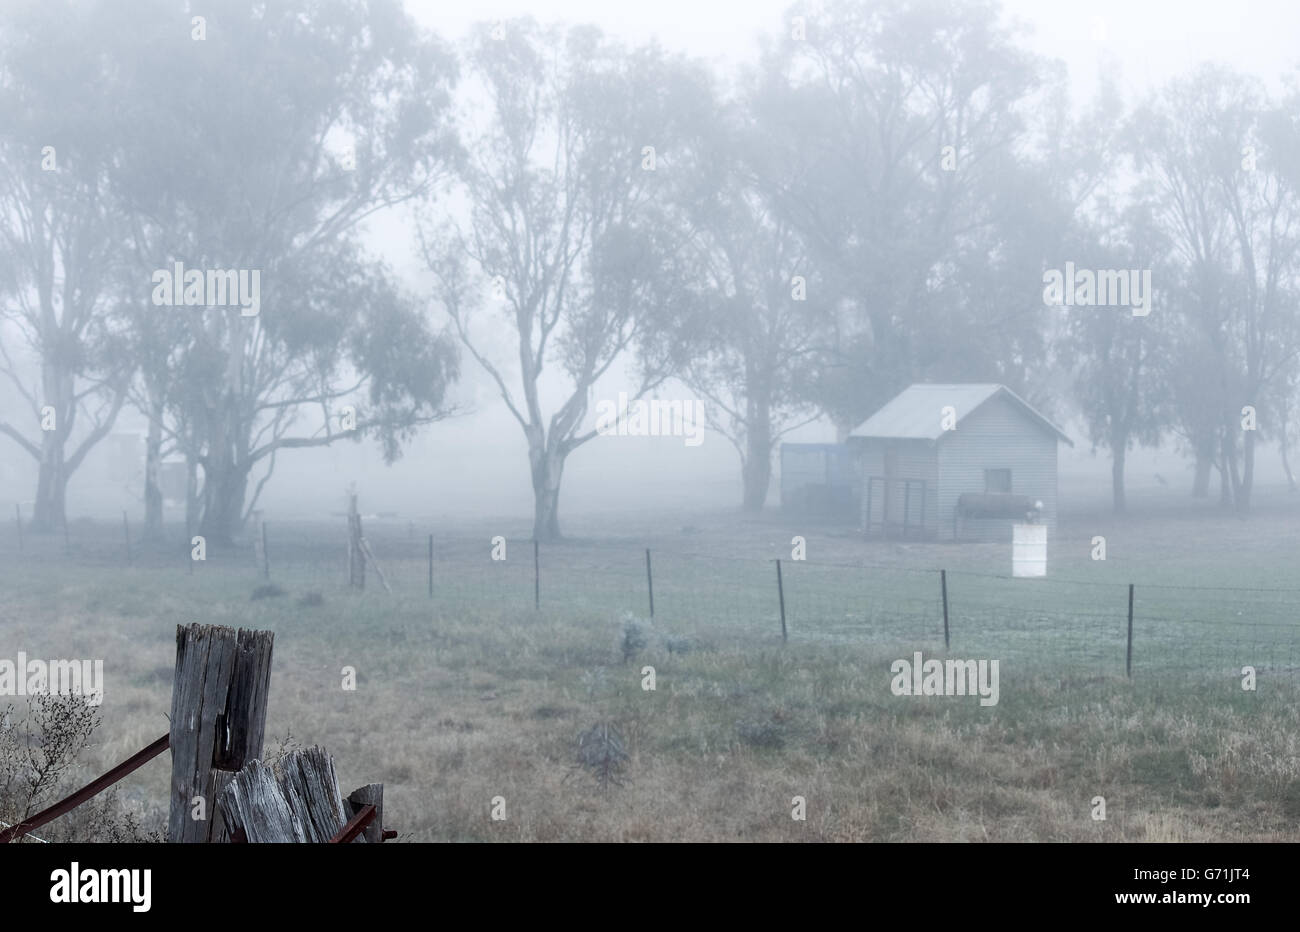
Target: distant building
{"points": [[960, 461]]}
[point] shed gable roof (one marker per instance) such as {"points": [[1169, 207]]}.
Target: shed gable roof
{"points": [[914, 413]]}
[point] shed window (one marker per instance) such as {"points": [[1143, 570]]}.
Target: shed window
{"points": [[997, 480]]}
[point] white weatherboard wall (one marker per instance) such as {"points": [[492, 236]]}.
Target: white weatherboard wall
{"points": [[1029, 550], [997, 435]]}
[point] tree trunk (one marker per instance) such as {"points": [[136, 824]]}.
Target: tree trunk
{"points": [[51, 493], [153, 498], [756, 470], [191, 495], [1118, 454], [224, 490], [547, 470], [1247, 485], [51, 485], [1284, 442], [1228, 469], [1204, 465], [48, 514]]}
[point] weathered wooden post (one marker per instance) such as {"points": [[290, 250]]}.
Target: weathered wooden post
{"points": [[297, 801], [372, 794], [219, 695]]}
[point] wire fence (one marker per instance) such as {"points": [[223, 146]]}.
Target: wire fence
{"points": [[1082, 627]]}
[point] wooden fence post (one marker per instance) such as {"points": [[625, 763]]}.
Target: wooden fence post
{"points": [[219, 695], [297, 801], [356, 556], [372, 794]]}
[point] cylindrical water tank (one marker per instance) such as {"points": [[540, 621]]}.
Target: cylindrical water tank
{"points": [[1029, 550]]}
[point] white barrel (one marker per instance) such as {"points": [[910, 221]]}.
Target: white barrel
{"points": [[1029, 550]]}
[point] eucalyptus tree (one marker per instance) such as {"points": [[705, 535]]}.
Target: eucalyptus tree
{"points": [[570, 257]]}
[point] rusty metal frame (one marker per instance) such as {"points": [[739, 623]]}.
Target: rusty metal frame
{"points": [[91, 789], [365, 815]]}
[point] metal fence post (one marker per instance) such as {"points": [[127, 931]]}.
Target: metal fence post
{"points": [[1128, 653], [650, 583], [780, 594], [943, 583]]}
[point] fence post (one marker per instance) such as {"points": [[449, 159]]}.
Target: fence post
{"points": [[943, 583], [780, 594], [18, 520], [431, 566], [126, 537], [650, 583], [1128, 653], [356, 556], [219, 692], [537, 576]]}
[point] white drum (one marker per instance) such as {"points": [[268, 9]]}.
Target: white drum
{"points": [[1029, 550]]}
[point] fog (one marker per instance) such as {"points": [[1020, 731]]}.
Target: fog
{"points": [[475, 464]]}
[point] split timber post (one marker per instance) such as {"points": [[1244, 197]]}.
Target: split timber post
{"points": [[356, 555], [219, 695], [298, 801]]}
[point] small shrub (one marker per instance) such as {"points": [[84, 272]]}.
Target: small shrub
{"points": [[601, 752], [677, 645], [593, 681], [760, 734], [634, 639]]}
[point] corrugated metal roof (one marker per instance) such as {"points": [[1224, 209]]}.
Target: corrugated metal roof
{"points": [[915, 413]]}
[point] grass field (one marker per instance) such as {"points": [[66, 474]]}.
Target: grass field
{"points": [[474, 694]]}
